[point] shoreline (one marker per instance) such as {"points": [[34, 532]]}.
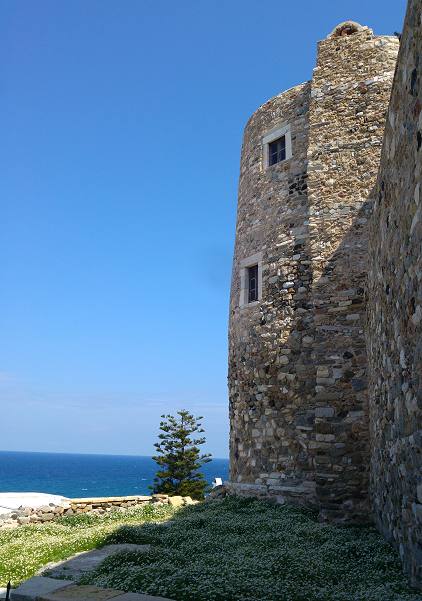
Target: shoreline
{"points": [[11, 501]]}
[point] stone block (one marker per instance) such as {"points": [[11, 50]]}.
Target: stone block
{"points": [[325, 437], [322, 371], [417, 511], [176, 501], [324, 412], [23, 520], [36, 587], [47, 517]]}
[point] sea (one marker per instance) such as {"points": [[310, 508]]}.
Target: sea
{"points": [[75, 475]]}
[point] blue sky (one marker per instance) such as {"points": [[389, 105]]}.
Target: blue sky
{"points": [[121, 130]]}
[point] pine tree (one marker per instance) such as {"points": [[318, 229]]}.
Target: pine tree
{"points": [[179, 456]]}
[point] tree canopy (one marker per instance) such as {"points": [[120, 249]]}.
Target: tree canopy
{"points": [[179, 456]]}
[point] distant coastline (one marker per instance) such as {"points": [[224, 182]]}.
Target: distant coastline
{"points": [[80, 475]]}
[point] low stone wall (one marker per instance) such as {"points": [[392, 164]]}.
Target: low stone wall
{"points": [[93, 506], [103, 504]]}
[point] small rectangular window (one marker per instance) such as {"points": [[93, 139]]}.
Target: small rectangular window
{"points": [[277, 151], [250, 276], [252, 283]]}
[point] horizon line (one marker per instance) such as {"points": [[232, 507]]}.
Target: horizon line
{"points": [[93, 454]]}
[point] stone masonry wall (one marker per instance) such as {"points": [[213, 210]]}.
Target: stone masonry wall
{"points": [[350, 92], [395, 311], [272, 210], [297, 380]]}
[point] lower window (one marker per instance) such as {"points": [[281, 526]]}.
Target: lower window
{"points": [[250, 280], [252, 283]]}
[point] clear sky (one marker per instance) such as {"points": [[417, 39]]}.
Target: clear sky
{"points": [[121, 125]]}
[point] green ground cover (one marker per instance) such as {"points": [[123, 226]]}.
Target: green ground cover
{"points": [[244, 550], [24, 550], [231, 550]]}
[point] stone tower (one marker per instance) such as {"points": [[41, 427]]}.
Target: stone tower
{"points": [[297, 360]]}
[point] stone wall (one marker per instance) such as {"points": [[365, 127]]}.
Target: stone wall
{"points": [[297, 365], [395, 311], [272, 209], [351, 87], [92, 506]]}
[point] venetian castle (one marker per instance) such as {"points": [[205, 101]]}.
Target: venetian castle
{"points": [[325, 345]]}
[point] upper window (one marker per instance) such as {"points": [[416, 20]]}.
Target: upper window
{"points": [[252, 283], [277, 151], [277, 146]]}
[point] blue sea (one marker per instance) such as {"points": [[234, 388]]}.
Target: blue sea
{"points": [[73, 475]]}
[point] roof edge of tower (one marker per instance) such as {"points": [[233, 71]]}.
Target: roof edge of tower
{"points": [[264, 104], [346, 28]]}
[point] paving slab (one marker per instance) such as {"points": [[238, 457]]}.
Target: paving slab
{"points": [[3, 592], [41, 588], [85, 592], [79, 564], [36, 587]]}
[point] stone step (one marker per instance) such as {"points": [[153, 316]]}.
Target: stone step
{"points": [[40, 588], [74, 567]]}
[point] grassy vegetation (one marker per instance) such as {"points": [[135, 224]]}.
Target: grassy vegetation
{"points": [[244, 550], [233, 550], [24, 550]]}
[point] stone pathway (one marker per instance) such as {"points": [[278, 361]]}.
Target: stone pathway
{"points": [[40, 588], [76, 566]]}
